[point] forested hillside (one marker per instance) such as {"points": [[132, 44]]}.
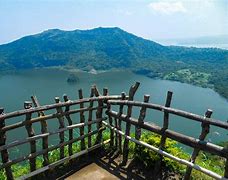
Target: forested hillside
{"points": [[108, 48]]}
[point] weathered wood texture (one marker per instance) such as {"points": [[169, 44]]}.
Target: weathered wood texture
{"points": [[184, 139], [170, 156], [158, 165], [31, 133], [56, 105], [166, 119], [99, 114], [110, 121], [141, 118], [46, 117], [204, 132], [42, 118], [36, 137], [61, 125], [119, 127], [44, 130], [59, 162], [90, 116], [65, 109], [20, 159], [187, 115], [132, 92], [70, 122], [82, 119], [4, 153]]}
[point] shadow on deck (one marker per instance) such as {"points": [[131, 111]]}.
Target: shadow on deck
{"points": [[107, 165]]}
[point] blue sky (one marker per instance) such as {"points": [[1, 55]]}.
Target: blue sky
{"points": [[151, 19]]}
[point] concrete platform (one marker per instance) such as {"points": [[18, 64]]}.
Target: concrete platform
{"points": [[92, 172]]}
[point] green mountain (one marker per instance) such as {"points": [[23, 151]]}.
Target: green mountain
{"points": [[107, 48]]}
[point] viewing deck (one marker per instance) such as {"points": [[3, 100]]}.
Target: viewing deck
{"points": [[100, 148]]}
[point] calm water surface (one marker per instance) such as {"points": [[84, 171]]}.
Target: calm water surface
{"points": [[46, 84]]}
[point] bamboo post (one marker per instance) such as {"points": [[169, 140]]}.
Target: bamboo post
{"points": [[4, 153], [116, 134], [90, 117], [66, 99], [31, 133], [61, 125], [166, 119], [44, 130], [82, 119], [132, 92], [105, 93], [99, 114], [204, 132], [119, 127], [141, 118], [110, 122], [111, 131], [158, 165]]}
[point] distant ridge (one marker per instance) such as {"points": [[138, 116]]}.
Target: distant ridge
{"points": [[108, 48]]}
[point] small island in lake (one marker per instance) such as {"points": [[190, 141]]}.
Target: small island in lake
{"points": [[72, 78]]}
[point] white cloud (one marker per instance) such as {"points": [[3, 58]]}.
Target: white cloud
{"points": [[168, 7]]}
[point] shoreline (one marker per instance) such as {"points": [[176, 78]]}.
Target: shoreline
{"points": [[95, 72]]}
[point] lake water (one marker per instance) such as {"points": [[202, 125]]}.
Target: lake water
{"points": [[46, 84]]}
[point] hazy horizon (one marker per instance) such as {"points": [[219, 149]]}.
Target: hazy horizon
{"points": [[150, 19]]}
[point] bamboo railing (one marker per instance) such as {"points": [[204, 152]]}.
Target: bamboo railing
{"points": [[139, 123], [64, 110], [119, 135]]}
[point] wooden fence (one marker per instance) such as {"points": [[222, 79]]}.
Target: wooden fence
{"points": [[105, 117], [63, 113]]}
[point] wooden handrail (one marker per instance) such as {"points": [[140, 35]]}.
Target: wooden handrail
{"points": [[178, 112], [39, 136], [64, 110], [41, 152], [159, 151], [54, 106], [46, 117], [187, 140]]}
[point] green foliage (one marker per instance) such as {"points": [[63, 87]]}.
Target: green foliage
{"points": [[211, 162], [191, 77], [149, 158]]}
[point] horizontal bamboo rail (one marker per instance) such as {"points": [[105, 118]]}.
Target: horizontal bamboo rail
{"points": [[46, 117], [177, 112], [43, 116], [159, 151], [38, 153], [66, 159], [39, 136], [198, 144], [54, 106], [189, 141]]}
